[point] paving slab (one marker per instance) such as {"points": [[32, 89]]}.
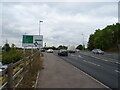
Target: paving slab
{"points": [[59, 74]]}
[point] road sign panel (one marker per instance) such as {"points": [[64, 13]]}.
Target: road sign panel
{"points": [[27, 39], [32, 41]]}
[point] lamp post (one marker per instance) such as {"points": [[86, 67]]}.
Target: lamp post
{"points": [[39, 31], [39, 26], [83, 41]]}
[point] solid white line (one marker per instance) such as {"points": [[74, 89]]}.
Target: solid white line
{"points": [[36, 80]]}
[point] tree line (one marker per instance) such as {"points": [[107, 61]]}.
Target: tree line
{"points": [[106, 38]]}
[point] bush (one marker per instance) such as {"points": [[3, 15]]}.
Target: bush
{"points": [[12, 56]]}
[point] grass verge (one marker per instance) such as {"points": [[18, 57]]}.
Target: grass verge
{"points": [[30, 73]]}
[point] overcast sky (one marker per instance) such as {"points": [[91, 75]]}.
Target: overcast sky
{"points": [[63, 22]]}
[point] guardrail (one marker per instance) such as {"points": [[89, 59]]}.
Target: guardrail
{"points": [[8, 72]]}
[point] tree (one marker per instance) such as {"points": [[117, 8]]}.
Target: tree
{"points": [[13, 46], [6, 47], [107, 38], [62, 47], [91, 42], [80, 47]]}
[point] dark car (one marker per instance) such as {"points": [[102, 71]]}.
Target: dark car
{"points": [[63, 52]]}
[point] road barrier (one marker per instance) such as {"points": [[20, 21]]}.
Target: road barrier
{"points": [[11, 74]]}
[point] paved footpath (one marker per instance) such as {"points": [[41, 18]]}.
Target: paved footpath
{"points": [[59, 74]]}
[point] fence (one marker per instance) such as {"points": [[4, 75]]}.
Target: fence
{"points": [[11, 75]]}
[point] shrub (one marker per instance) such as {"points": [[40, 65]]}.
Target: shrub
{"points": [[12, 56]]}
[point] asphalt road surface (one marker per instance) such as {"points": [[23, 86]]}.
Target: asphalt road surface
{"points": [[105, 72], [106, 55]]}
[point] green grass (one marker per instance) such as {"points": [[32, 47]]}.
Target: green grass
{"points": [[113, 50], [0, 57], [32, 70]]}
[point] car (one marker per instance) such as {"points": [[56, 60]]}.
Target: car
{"points": [[3, 67], [49, 51], [97, 51], [42, 50], [63, 52], [77, 50]]}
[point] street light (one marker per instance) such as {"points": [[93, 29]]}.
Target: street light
{"points": [[39, 26], [39, 31], [83, 41]]}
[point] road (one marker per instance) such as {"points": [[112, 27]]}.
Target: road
{"points": [[105, 72], [109, 56]]}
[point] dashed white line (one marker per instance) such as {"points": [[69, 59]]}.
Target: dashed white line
{"points": [[72, 55], [105, 60], [91, 63], [84, 60], [117, 71], [80, 56]]}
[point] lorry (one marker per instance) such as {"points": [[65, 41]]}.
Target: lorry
{"points": [[71, 49]]}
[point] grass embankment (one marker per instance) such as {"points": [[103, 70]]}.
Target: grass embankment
{"points": [[30, 74], [0, 57], [13, 56], [113, 50]]}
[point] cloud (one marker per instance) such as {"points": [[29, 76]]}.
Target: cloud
{"points": [[63, 22]]}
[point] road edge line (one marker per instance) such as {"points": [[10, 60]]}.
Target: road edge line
{"points": [[36, 80]]}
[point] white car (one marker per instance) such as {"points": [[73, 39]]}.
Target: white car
{"points": [[77, 50], [97, 51], [49, 51]]}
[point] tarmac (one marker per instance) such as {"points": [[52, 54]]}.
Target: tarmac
{"points": [[59, 74]]}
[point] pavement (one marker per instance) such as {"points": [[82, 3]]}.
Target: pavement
{"points": [[57, 73]]}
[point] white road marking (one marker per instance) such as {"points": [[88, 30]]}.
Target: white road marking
{"points": [[117, 71], [84, 60], [80, 56], [91, 63], [112, 60], [105, 60], [72, 55], [91, 76]]}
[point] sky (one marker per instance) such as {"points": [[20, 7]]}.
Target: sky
{"points": [[64, 23]]}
